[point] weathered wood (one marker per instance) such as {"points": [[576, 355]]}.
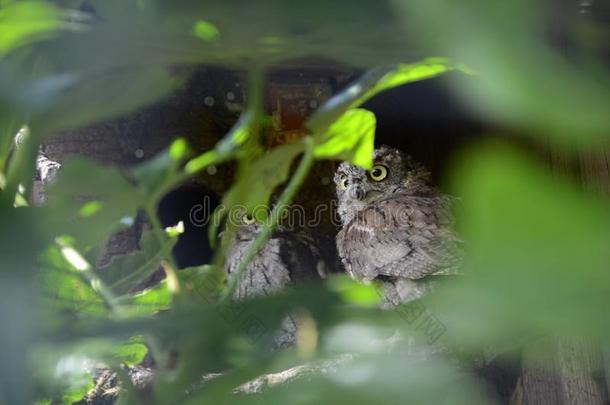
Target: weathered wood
{"points": [[606, 354], [561, 372]]}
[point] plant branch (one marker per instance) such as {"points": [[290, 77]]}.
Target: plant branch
{"points": [[267, 381], [159, 233], [21, 168]]}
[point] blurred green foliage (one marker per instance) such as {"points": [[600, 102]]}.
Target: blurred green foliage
{"points": [[537, 253], [25, 22]]}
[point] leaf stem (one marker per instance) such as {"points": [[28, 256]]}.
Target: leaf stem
{"points": [[159, 233], [21, 169]]}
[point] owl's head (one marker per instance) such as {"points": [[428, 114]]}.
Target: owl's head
{"points": [[393, 172], [247, 227], [244, 225]]}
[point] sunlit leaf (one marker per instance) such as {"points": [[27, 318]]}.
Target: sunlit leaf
{"points": [[132, 352], [65, 289], [354, 292], [90, 208], [179, 149], [201, 162], [205, 30], [152, 300], [24, 22], [176, 230], [350, 138], [80, 184], [255, 183], [372, 83]]}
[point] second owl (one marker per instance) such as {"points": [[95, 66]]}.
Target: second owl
{"points": [[396, 227]]}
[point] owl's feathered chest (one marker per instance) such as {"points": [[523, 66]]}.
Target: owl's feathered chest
{"points": [[405, 235], [286, 258]]}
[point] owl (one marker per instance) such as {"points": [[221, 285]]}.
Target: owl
{"points": [[288, 258], [396, 227]]}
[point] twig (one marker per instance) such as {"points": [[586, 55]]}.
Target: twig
{"points": [[271, 380], [21, 169], [159, 234]]}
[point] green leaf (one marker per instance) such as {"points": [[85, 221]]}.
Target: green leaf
{"points": [[132, 352], [201, 162], [64, 289], [258, 179], [100, 192], [355, 293], [23, 96], [20, 243], [201, 282], [176, 230], [24, 22], [62, 374], [128, 271], [90, 208], [156, 175], [205, 30], [240, 134], [351, 138], [179, 149], [537, 254], [295, 29], [512, 60], [232, 335], [78, 388], [96, 96], [407, 73], [229, 146], [152, 300], [65, 370], [372, 83]]}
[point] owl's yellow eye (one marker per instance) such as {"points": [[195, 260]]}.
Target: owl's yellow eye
{"points": [[343, 183], [378, 172], [248, 219]]}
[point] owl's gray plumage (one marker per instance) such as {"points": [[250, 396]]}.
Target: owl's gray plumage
{"points": [[287, 259], [396, 228]]}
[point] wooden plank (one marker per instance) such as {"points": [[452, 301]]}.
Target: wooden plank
{"points": [[561, 372]]}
